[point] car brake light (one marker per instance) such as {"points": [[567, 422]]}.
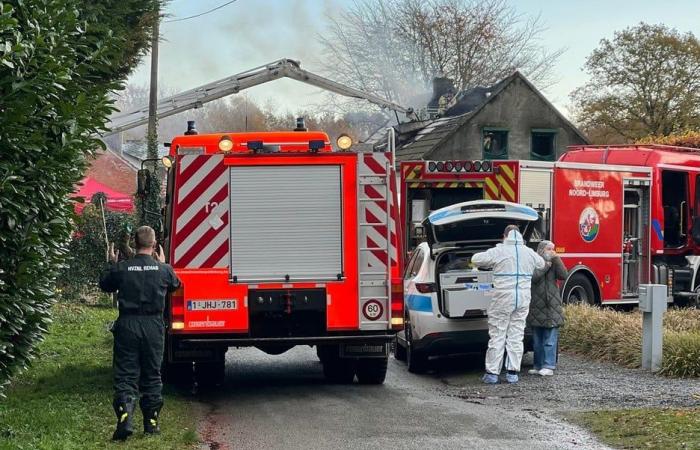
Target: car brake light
{"points": [[425, 288], [397, 305], [177, 309]]}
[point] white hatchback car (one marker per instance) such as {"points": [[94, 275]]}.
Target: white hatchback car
{"points": [[445, 297]]}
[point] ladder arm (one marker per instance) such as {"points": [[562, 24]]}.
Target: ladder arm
{"points": [[195, 98]]}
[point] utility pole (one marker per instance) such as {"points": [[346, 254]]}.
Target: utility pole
{"points": [[152, 202], [152, 151]]}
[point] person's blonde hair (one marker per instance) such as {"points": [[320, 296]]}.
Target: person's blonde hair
{"points": [[145, 238]]}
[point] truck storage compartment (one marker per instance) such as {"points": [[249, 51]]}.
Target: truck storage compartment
{"points": [[287, 312], [286, 223]]}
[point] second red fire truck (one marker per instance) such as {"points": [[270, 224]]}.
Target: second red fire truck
{"points": [[620, 216]]}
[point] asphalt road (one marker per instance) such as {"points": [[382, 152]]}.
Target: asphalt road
{"points": [[283, 402]]}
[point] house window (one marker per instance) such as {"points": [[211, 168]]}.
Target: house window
{"points": [[543, 144], [494, 143]]}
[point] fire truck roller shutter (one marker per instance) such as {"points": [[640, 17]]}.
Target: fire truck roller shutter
{"points": [[286, 221]]}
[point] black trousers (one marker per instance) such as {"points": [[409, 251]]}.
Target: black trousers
{"points": [[138, 353]]}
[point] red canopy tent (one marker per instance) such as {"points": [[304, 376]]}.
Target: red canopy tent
{"points": [[116, 201]]}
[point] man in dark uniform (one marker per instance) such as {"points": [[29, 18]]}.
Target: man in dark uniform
{"points": [[139, 333]]}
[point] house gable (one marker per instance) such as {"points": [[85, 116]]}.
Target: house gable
{"points": [[513, 106]]}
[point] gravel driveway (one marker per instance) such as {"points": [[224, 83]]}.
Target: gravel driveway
{"points": [[577, 385]]}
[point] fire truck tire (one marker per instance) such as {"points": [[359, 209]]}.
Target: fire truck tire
{"points": [[399, 351], [177, 373], [579, 290], [210, 374], [372, 370], [339, 371]]}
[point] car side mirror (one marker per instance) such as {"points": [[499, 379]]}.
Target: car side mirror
{"points": [[143, 182]]}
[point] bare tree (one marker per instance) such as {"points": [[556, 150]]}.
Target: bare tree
{"points": [[395, 48]]}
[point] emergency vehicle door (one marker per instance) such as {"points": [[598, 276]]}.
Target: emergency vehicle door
{"points": [[634, 241]]}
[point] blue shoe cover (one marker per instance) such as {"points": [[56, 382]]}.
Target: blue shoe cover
{"points": [[512, 378], [490, 378]]}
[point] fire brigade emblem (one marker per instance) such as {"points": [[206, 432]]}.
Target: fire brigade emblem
{"points": [[589, 224]]}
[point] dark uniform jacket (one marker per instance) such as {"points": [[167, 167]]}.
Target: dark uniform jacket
{"points": [[142, 283], [546, 304]]}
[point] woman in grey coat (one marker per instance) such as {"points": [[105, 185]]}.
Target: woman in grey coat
{"points": [[546, 314]]}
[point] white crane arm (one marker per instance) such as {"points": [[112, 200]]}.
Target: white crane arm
{"points": [[195, 98]]}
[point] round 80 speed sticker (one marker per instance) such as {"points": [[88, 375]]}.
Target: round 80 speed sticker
{"points": [[373, 310]]}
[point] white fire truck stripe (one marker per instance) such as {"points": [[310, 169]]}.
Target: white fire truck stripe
{"points": [[590, 255], [202, 201], [185, 161], [197, 233], [197, 177], [223, 262], [211, 247]]}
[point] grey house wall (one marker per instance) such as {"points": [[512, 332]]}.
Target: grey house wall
{"points": [[516, 108]]}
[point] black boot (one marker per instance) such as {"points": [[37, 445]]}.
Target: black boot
{"points": [[124, 408], [151, 418]]}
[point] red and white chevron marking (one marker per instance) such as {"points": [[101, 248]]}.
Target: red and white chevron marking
{"points": [[201, 232], [375, 212]]}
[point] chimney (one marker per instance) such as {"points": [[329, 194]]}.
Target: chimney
{"points": [[443, 87]]}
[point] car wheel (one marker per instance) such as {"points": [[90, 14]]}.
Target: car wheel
{"points": [[416, 360], [579, 290], [399, 350], [372, 370]]}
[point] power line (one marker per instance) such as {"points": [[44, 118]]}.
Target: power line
{"points": [[200, 14]]}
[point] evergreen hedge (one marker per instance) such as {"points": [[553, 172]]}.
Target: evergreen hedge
{"points": [[59, 61]]}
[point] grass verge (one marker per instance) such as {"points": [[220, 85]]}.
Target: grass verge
{"points": [[647, 428], [615, 336], [64, 401]]}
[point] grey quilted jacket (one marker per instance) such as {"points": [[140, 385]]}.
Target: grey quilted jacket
{"points": [[546, 304]]}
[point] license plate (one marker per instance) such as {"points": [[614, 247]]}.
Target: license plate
{"points": [[363, 350], [211, 305]]}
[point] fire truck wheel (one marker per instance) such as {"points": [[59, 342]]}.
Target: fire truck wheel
{"points": [[372, 370], [338, 370], [399, 350], [579, 290], [210, 373], [177, 373]]}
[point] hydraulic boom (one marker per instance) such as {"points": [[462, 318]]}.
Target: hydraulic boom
{"points": [[283, 68]]}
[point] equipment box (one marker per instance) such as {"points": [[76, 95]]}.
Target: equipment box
{"points": [[466, 293]]}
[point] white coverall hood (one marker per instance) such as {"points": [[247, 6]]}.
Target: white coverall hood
{"points": [[513, 264]]}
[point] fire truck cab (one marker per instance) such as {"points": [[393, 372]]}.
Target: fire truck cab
{"points": [[281, 241]]}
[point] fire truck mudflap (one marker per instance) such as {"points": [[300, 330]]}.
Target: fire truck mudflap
{"points": [[281, 242]]}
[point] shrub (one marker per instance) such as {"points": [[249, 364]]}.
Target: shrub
{"points": [[687, 139], [614, 336], [59, 60], [87, 250]]}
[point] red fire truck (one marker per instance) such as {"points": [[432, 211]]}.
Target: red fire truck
{"points": [[620, 215], [280, 241], [626, 215]]}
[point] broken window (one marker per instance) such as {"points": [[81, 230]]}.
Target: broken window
{"points": [[543, 145], [495, 143]]}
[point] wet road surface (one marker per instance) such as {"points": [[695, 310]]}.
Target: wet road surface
{"points": [[276, 402]]}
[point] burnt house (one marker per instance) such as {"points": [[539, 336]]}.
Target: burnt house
{"points": [[509, 120]]}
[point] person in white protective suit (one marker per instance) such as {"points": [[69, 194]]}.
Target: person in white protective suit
{"points": [[513, 264]]}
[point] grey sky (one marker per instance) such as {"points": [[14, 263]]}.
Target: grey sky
{"points": [[250, 33]]}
